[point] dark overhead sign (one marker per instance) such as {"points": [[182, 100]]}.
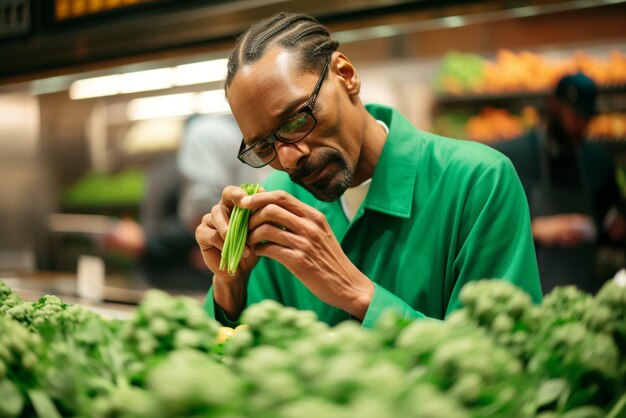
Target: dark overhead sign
{"points": [[14, 17], [73, 9]]}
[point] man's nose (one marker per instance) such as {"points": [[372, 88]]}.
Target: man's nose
{"points": [[290, 154]]}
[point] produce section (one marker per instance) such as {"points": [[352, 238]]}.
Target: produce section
{"points": [[523, 72], [608, 127], [499, 356], [490, 125], [493, 100]]}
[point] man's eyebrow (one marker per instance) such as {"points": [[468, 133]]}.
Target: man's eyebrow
{"points": [[289, 111]]}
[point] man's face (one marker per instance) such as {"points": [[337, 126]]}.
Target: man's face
{"points": [[264, 95], [568, 124]]}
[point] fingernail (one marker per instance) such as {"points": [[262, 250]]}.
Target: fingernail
{"points": [[246, 252]]}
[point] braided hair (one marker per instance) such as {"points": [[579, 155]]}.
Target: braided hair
{"points": [[292, 31]]}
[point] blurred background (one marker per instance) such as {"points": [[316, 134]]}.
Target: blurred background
{"points": [[97, 96]]}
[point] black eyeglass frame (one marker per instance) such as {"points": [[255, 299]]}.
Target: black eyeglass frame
{"points": [[307, 108]]}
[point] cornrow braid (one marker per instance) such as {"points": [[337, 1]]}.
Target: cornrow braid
{"points": [[292, 31]]}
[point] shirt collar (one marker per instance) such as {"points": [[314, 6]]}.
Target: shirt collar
{"points": [[393, 182]]}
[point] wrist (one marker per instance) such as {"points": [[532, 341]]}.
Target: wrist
{"points": [[361, 298], [230, 295]]}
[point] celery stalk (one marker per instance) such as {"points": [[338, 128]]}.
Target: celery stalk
{"points": [[236, 234]]}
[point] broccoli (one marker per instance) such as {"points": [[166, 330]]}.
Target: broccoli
{"points": [[20, 354], [191, 381], [586, 360], [503, 310], [163, 323], [498, 356], [272, 323], [613, 297]]}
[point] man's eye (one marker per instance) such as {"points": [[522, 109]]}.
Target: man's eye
{"points": [[263, 149], [296, 124]]}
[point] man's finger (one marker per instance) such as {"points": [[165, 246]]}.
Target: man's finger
{"points": [[279, 198], [277, 215]]}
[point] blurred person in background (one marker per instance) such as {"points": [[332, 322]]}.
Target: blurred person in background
{"points": [[205, 160], [363, 213], [570, 186], [180, 189]]}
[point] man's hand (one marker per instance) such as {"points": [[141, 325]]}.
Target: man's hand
{"points": [[128, 237], [615, 225], [229, 291], [567, 230], [299, 237]]}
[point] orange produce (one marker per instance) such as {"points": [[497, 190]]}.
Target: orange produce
{"points": [[494, 125]]}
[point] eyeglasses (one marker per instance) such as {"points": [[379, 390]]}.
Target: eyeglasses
{"points": [[263, 151]]}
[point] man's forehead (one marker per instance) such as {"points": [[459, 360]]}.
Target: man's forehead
{"points": [[265, 92], [275, 63]]}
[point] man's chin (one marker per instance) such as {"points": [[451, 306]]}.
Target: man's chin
{"points": [[327, 191], [325, 195], [331, 182]]}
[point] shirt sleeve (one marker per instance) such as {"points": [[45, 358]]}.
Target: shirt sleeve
{"points": [[383, 301], [495, 238]]}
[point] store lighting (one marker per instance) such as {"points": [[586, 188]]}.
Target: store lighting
{"points": [[176, 105], [199, 72], [167, 106], [145, 80], [213, 101], [94, 87], [453, 21], [149, 80]]}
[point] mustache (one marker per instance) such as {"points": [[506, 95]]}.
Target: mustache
{"points": [[309, 168]]}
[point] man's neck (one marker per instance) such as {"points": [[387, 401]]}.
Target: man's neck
{"points": [[374, 139]]}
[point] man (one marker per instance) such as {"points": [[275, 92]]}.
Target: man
{"points": [[364, 212], [570, 186]]}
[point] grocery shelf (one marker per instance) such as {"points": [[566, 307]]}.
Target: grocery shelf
{"points": [[513, 96], [480, 99]]}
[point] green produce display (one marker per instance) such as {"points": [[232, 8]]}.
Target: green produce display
{"points": [[95, 189], [499, 356], [460, 73]]}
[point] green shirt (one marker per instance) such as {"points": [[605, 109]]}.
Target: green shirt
{"points": [[439, 213]]}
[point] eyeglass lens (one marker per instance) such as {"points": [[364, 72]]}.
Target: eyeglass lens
{"points": [[293, 131]]}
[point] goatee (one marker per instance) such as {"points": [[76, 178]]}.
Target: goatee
{"points": [[331, 187]]}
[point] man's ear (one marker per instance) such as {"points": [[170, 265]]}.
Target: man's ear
{"points": [[346, 72]]}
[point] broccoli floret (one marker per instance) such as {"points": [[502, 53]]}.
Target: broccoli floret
{"points": [[568, 304], [503, 310], [20, 352], [274, 324], [465, 363], [585, 359], [20, 362], [426, 400], [189, 381], [163, 323], [11, 305], [480, 375], [18, 310], [126, 402], [612, 296]]}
